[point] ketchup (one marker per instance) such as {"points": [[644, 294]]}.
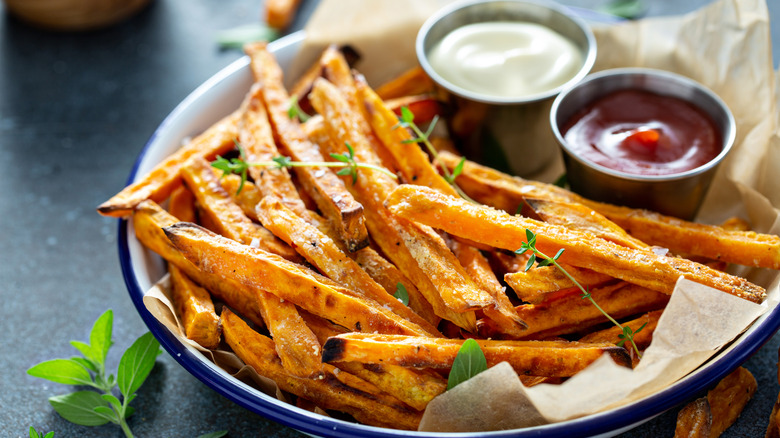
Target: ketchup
{"points": [[643, 133]]}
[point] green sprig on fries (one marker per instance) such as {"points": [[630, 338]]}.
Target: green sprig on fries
{"points": [[346, 161], [542, 259]]}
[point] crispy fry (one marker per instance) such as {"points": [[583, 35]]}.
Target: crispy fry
{"points": [[196, 310], [418, 251], [773, 428], [247, 198], [411, 82], [414, 387], [182, 204], [501, 230], [149, 220], [280, 13], [425, 107], [728, 399], [160, 181], [322, 253], [327, 190], [647, 322], [225, 215], [536, 358], [681, 237], [259, 269], [360, 399], [568, 313], [694, 420], [532, 285]]}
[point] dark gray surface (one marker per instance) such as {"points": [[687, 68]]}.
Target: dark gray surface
{"points": [[75, 111]]}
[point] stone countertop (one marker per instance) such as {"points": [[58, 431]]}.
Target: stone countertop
{"points": [[75, 111]]}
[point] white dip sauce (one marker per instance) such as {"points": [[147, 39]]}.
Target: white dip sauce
{"points": [[506, 59]]}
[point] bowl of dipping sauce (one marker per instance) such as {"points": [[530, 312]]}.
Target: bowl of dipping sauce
{"points": [[643, 138], [511, 57]]}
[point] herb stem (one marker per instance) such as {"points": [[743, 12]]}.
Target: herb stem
{"points": [[335, 164]]}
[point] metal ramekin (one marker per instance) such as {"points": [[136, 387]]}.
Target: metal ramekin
{"points": [[678, 194]]}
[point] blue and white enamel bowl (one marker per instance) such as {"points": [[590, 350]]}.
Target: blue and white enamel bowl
{"points": [[219, 96]]}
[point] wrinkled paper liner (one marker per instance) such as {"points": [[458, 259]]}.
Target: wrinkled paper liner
{"points": [[727, 47]]}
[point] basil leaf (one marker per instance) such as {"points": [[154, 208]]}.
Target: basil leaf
{"points": [[65, 371], [469, 362], [401, 294], [110, 398], [78, 407], [107, 413], [136, 363], [86, 363], [100, 337]]}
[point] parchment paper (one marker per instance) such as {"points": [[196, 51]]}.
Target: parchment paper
{"points": [[727, 47]]}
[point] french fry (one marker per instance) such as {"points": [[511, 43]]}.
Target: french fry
{"points": [[536, 358], [773, 428], [418, 251], [532, 285], [568, 313], [496, 228], [149, 219], [728, 399], [247, 198], [681, 237], [361, 399], [327, 190], [325, 255], [694, 420], [160, 181], [425, 107], [414, 387], [280, 13], [647, 323], [297, 346], [409, 83], [182, 204], [259, 269], [196, 310]]}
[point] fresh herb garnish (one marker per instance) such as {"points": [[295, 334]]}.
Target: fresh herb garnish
{"points": [[469, 362], [236, 37], [629, 9], [562, 181], [296, 111], [542, 259], [90, 408], [401, 294], [406, 120], [35, 434], [240, 166]]}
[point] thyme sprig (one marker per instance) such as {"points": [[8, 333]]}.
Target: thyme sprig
{"points": [[541, 259], [406, 120], [240, 166]]}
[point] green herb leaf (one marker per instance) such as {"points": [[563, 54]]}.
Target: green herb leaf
{"points": [[65, 371], [85, 363], [236, 37], [100, 337], [296, 111], [458, 168], [113, 401], [407, 116], [78, 407], [282, 161], [35, 434], [340, 157], [469, 362], [401, 294], [629, 9], [107, 413], [136, 363], [530, 263], [640, 328], [562, 181], [217, 434]]}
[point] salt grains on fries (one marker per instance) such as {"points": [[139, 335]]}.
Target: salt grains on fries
{"points": [[354, 290]]}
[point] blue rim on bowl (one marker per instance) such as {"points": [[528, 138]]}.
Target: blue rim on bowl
{"points": [[134, 260]]}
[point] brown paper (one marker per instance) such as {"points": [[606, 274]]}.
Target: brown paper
{"points": [[727, 47]]}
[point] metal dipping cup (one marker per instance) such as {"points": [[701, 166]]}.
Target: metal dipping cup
{"points": [[678, 194], [516, 127]]}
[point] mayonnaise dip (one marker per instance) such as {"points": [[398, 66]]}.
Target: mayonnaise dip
{"points": [[505, 59]]}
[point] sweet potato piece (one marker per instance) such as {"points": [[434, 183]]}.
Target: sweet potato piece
{"points": [[327, 190], [261, 270], [355, 397], [149, 219], [195, 309], [536, 358], [418, 251], [411, 82], [324, 254], [425, 107], [694, 420], [496, 228], [247, 198], [182, 205], [728, 399], [647, 322], [506, 192], [160, 181], [773, 428], [280, 13], [569, 313], [532, 285]]}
